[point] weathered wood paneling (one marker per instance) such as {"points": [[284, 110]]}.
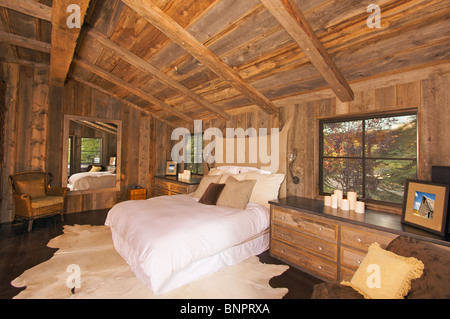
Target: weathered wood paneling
{"points": [[33, 133], [429, 96]]}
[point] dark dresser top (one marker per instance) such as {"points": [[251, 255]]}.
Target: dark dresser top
{"points": [[193, 181]]}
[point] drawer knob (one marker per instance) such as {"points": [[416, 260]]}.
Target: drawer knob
{"points": [[283, 217], [320, 267], [358, 261], [358, 240], [320, 228], [320, 248]]}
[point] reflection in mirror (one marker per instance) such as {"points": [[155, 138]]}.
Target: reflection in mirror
{"points": [[91, 153]]}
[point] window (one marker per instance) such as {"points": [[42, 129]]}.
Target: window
{"points": [[91, 150], [372, 156], [194, 160]]}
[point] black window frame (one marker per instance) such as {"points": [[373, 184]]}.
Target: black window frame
{"points": [[363, 157]]}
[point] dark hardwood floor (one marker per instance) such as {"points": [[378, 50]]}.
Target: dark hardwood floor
{"points": [[21, 250]]}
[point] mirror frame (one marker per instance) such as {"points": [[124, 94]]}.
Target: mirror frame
{"points": [[67, 119]]}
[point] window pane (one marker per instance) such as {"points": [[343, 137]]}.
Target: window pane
{"points": [[342, 139], [392, 137], [385, 179], [345, 174], [91, 150]]}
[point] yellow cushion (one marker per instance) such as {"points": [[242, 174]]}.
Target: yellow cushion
{"points": [[34, 188], [385, 275], [95, 169], [46, 201]]}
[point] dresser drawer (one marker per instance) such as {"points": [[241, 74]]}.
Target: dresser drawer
{"points": [[178, 188], [314, 245], [161, 192], [161, 183], [312, 226], [362, 239], [138, 197], [138, 191], [316, 265], [351, 258]]}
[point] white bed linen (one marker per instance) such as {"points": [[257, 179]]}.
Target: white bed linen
{"points": [[171, 240], [91, 180]]}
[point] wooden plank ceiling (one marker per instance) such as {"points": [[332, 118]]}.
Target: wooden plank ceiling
{"points": [[183, 60]]}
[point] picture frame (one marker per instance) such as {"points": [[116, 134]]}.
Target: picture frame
{"points": [[171, 168], [425, 206]]}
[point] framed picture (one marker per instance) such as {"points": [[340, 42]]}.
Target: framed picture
{"points": [[171, 168], [425, 206]]}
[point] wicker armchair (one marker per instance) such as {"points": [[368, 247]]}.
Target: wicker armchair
{"points": [[34, 198]]}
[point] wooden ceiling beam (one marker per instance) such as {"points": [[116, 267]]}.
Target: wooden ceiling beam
{"points": [[25, 42], [125, 85], [154, 15], [29, 7], [114, 96], [64, 39], [159, 75], [294, 22]]}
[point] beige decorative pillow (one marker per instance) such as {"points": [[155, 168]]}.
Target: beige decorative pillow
{"points": [[266, 188], [95, 169], [236, 193], [204, 183], [385, 275]]}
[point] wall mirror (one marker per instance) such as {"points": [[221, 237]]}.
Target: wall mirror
{"points": [[91, 154]]}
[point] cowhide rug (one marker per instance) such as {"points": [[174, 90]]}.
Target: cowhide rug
{"points": [[104, 274]]}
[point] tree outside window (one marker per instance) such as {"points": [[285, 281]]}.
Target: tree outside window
{"points": [[91, 150], [194, 150], [372, 156]]}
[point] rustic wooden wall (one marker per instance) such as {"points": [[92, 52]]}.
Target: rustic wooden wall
{"points": [[35, 111], [34, 125], [26, 121], [430, 96]]}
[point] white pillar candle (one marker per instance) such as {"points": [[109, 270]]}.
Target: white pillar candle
{"points": [[334, 201], [340, 195], [360, 207], [345, 205], [352, 198], [327, 200]]}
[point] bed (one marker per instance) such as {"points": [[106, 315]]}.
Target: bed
{"points": [[91, 180], [169, 241]]}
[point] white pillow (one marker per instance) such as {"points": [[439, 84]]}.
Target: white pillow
{"points": [[245, 169], [267, 186], [230, 169]]}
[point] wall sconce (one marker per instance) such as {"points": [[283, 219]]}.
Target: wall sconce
{"points": [[292, 157]]}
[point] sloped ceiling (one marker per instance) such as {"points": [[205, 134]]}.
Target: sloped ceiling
{"points": [[252, 61]]}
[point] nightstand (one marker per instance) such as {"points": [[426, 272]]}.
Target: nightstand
{"points": [[136, 193]]}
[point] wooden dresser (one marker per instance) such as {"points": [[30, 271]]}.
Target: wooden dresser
{"points": [[168, 185], [330, 243]]}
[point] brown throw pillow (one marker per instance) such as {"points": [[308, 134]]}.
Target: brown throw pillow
{"points": [[212, 193]]}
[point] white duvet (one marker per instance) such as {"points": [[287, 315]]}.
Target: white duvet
{"points": [[161, 236], [91, 180]]}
